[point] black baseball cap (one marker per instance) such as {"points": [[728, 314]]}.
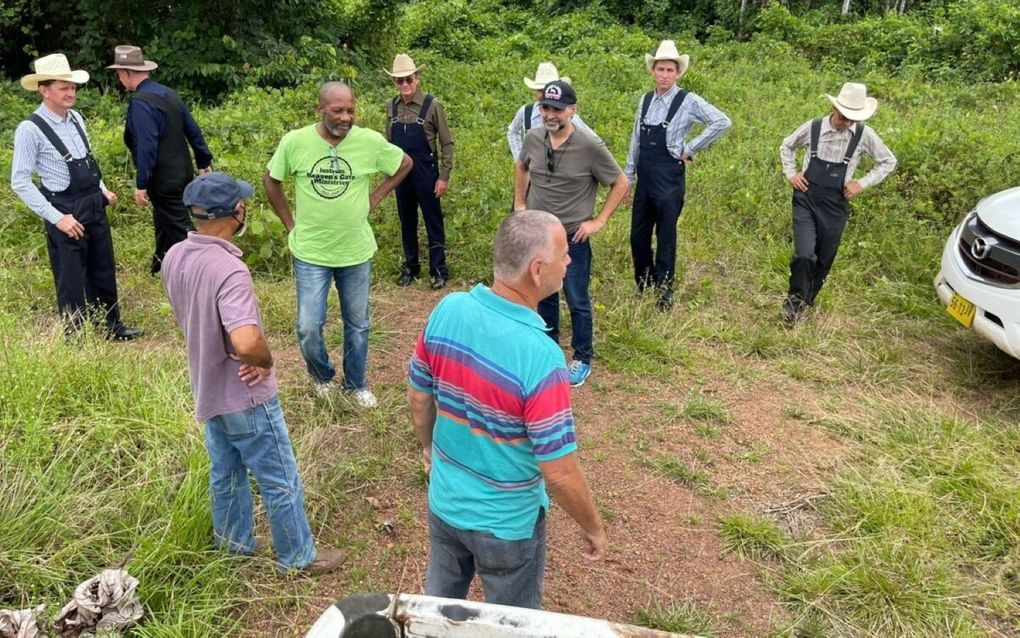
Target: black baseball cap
{"points": [[214, 195], [558, 94]]}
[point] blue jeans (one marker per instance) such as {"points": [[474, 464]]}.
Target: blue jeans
{"points": [[256, 440], [511, 571], [575, 287], [352, 286]]}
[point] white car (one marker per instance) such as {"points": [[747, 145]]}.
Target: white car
{"points": [[979, 283]]}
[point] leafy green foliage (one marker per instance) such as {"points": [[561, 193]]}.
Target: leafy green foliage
{"points": [[976, 40], [203, 49]]}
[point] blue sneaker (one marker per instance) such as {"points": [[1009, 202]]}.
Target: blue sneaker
{"points": [[578, 372]]}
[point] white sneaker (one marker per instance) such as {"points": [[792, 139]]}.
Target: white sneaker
{"points": [[364, 398], [323, 390]]}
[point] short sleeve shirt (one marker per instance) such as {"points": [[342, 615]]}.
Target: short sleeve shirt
{"points": [[502, 406], [578, 167], [212, 294], [332, 187]]}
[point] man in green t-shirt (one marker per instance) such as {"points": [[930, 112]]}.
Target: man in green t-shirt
{"points": [[332, 163]]}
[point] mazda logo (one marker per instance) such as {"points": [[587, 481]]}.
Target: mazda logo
{"points": [[980, 248]]}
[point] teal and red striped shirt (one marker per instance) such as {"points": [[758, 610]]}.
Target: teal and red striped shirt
{"points": [[503, 405]]}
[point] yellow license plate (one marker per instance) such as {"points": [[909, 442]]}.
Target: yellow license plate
{"points": [[961, 310]]}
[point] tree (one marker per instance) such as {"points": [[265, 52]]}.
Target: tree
{"points": [[203, 48]]}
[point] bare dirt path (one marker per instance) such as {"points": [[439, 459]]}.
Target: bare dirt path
{"points": [[666, 546]]}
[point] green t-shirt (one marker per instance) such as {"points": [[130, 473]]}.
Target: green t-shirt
{"points": [[332, 185]]}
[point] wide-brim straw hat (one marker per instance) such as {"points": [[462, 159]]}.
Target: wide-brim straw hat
{"points": [[667, 51], [853, 102], [545, 74], [128, 57], [403, 66], [52, 67]]}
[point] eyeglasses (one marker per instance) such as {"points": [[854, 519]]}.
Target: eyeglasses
{"points": [[550, 165], [409, 79]]}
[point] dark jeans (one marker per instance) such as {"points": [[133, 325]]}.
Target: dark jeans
{"points": [[817, 232], [511, 571], [575, 287], [170, 220]]}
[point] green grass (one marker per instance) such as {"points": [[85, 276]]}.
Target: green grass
{"points": [[683, 618], [753, 537]]}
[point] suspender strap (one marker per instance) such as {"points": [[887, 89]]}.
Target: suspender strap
{"points": [[678, 101], [425, 106], [529, 109], [816, 132], [854, 141], [645, 103], [55, 140]]}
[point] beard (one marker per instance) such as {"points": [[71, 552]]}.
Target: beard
{"points": [[335, 132], [553, 127]]}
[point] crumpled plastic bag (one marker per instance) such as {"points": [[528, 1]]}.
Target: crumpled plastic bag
{"points": [[20, 623], [103, 605]]}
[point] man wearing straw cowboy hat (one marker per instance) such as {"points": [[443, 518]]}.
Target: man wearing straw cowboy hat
{"points": [[158, 133], [415, 120], [658, 155], [822, 189], [529, 116], [71, 197]]}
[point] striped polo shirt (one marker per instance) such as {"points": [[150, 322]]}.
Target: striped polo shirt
{"points": [[503, 405]]}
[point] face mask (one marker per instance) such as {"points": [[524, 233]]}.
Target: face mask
{"points": [[242, 228]]}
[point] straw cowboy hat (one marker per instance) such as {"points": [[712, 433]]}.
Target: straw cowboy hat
{"points": [[128, 57], [853, 102], [667, 51], [545, 74], [403, 66], [52, 67]]}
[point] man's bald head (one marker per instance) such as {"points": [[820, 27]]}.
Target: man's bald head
{"points": [[334, 91]]}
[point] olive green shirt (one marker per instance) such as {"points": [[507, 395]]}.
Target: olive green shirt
{"points": [[435, 126]]}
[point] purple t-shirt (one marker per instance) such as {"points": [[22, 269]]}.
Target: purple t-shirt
{"points": [[211, 292]]}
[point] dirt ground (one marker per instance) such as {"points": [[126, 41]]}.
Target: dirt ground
{"points": [[665, 543]]}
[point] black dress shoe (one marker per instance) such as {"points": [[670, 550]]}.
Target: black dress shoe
{"points": [[406, 279], [438, 283], [121, 332]]}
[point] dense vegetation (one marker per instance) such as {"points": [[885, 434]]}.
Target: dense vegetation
{"points": [[102, 464], [207, 50]]}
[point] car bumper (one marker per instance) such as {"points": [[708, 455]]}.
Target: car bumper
{"points": [[997, 309]]}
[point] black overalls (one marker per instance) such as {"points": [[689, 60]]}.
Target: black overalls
{"points": [[419, 189], [819, 217], [172, 172], [658, 200], [84, 273]]}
